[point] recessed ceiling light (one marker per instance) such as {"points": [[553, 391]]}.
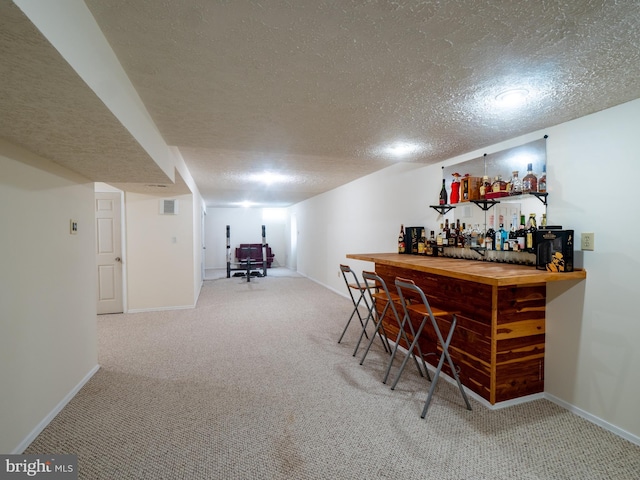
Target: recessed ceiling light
{"points": [[403, 149], [269, 177], [512, 97]]}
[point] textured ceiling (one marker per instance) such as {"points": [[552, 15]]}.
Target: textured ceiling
{"points": [[315, 88], [48, 109]]}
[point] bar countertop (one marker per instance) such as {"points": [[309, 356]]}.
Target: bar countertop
{"points": [[489, 273]]}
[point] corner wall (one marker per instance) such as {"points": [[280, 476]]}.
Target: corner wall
{"points": [[592, 355], [160, 254], [48, 344]]}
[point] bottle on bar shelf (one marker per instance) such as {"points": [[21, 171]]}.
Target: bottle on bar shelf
{"points": [[531, 234], [542, 181], [516, 184], [480, 236], [421, 242], [530, 181], [513, 236], [431, 244], [443, 194], [489, 239], [501, 236], [401, 245], [543, 221], [446, 233], [521, 234]]}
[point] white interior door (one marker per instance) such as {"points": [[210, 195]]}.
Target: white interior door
{"points": [[109, 253]]}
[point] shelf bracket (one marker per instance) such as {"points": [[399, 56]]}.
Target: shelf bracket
{"points": [[442, 209], [485, 204], [540, 196]]}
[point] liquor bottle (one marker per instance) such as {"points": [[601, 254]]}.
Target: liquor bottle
{"points": [[516, 184], [513, 237], [439, 239], [431, 244], [542, 181], [489, 239], [502, 238], [455, 189], [530, 181], [485, 186], [446, 233], [531, 234], [474, 237], [461, 236], [543, 221], [401, 245], [521, 234], [499, 185], [480, 236], [443, 194], [414, 241], [421, 242]]}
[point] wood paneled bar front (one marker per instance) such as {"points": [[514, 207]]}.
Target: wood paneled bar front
{"points": [[499, 342]]}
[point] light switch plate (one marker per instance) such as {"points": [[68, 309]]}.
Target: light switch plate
{"points": [[586, 241], [73, 227]]}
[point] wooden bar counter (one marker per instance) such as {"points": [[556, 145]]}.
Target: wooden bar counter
{"points": [[499, 341]]}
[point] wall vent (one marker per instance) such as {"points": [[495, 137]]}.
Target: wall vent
{"points": [[169, 206]]}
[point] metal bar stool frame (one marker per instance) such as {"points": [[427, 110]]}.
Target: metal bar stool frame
{"points": [[429, 313], [372, 286], [361, 289], [371, 278]]}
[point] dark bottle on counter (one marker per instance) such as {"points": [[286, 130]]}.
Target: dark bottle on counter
{"points": [[430, 247], [421, 243], [443, 194], [513, 238], [401, 245], [521, 235], [489, 239], [446, 233], [531, 234], [414, 241]]}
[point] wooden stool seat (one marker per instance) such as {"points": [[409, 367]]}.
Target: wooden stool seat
{"points": [[420, 309]]}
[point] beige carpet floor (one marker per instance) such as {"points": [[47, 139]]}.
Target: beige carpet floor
{"points": [[252, 384]]}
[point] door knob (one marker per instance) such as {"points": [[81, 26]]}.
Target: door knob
{"points": [[118, 259]]}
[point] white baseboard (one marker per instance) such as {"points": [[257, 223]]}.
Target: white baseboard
{"points": [[22, 446], [593, 419], [160, 309]]}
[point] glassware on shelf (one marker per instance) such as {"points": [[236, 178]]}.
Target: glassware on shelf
{"points": [[516, 183]]}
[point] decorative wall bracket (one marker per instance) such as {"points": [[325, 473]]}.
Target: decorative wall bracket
{"points": [[442, 209]]}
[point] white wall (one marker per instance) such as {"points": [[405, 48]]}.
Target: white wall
{"points": [[246, 227], [48, 345], [593, 332], [160, 254]]}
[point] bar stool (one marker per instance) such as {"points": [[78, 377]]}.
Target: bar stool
{"points": [[360, 290], [382, 294], [430, 313]]}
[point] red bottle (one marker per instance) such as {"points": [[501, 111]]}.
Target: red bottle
{"points": [[455, 189]]}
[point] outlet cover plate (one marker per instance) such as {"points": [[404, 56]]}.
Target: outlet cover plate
{"points": [[586, 241]]}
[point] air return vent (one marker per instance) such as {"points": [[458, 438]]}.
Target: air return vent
{"points": [[169, 206]]}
